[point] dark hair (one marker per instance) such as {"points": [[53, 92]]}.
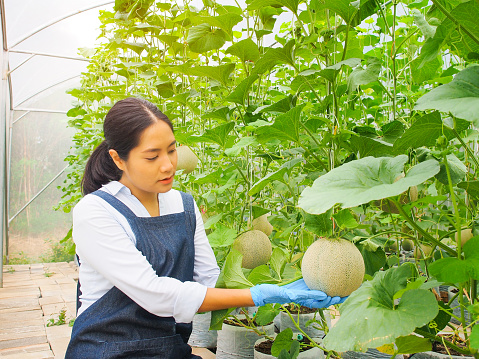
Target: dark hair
{"points": [[123, 126]]}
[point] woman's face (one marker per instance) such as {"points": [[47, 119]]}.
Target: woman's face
{"points": [[151, 165]]}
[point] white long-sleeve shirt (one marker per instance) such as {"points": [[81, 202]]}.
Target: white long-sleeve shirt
{"points": [[105, 245]]}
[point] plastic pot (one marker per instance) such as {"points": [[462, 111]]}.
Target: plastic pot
{"points": [[434, 355], [202, 336], [285, 322], [313, 353], [238, 342]]}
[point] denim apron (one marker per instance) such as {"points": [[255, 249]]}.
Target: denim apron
{"points": [[115, 326]]}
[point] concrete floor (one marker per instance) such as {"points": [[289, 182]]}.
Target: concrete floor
{"points": [[33, 297]]}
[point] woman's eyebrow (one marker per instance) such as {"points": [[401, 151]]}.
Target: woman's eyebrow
{"points": [[158, 149]]}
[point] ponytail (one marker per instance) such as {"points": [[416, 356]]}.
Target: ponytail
{"points": [[99, 170]]}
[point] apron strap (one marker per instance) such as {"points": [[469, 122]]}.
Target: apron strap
{"points": [[189, 207], [115, 203]]}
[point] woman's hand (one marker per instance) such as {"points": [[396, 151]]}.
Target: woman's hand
{"points": [[296, 292]]}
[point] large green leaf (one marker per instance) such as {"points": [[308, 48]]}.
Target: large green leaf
{"points": [[263, 182], [423, 132], [427, 30], [233, 273], [274, 56], [373, 256], [222, 236], [219, 73], [454, 270], [224, 22], [366, 146], [285, 126], [218, 134], [459, 97], [413, 344], [471, 187], [203, 38], [424, 72], [457, 170], [361, 76], [278, 261], [369, 318], [262, 274], [319, 224], [361, 181], [246, 50]]}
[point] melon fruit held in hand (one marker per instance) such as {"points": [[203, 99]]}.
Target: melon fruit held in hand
{"points": [[187, 160], [255, 247], [334, 266]]}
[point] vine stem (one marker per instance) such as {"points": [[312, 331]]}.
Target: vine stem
{"points": [[458, 243], [439, 339], [466, 147]]}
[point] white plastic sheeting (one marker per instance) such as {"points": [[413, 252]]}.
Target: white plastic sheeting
{"points": [[39, 61]]}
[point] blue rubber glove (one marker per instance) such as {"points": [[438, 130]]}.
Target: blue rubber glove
{"points": [[296, 292]]}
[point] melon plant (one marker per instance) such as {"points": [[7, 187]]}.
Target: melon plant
{"points": [[261, 224], [334, 266], [255, 247], [423, 248], [187, 160]]}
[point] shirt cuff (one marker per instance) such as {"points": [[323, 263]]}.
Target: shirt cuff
{"points": [[188, 301]]}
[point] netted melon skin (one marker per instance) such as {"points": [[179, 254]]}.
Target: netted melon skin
{"points": [[255, 247], [187, 160], [334, 266], [261, 224]]}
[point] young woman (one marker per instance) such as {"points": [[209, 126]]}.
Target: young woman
{"points": [[146, 266]]}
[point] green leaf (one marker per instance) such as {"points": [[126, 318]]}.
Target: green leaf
{"points": [[278, 261], [319, 224], [233, 274], [285, 126], [454, 270], [424, 132], [439, 323], [361, 76], [219, 73], [330, 72], [345, 219], [275, 176], [361, 181], [274, 56], [240, 93], [225, 22], [471, 187], [474, 338], [344, 8], [222, 236], [457, 170], [217, 318], [424, 72], [245, 49], [373, 256], [262, 274], [413, 344], [460, 97], [290, 4], [282, 106], [218, 134], [203, 38], [427, 30], [282, 341], [363, 314], [366, 146], [266, 314], [240, 145]]}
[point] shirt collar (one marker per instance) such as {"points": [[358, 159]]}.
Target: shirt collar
{"points": [[114, 187]]}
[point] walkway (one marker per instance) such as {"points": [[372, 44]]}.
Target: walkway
{"points": [[37, 302]]}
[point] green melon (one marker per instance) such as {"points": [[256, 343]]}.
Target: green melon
{"points": [[334, 266], [255, 247], [407, 245], [187, 160], [466, 234], [418, 252], [261, 224]]}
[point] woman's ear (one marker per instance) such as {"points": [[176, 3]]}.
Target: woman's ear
{"points": [[116, 158]]}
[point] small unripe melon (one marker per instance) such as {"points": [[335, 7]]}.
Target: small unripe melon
{"points": [[261, 224], [418, 252], [334, 266], [407, 244], [187, 160], [466, 234], [391, 246], [255, 247]]}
